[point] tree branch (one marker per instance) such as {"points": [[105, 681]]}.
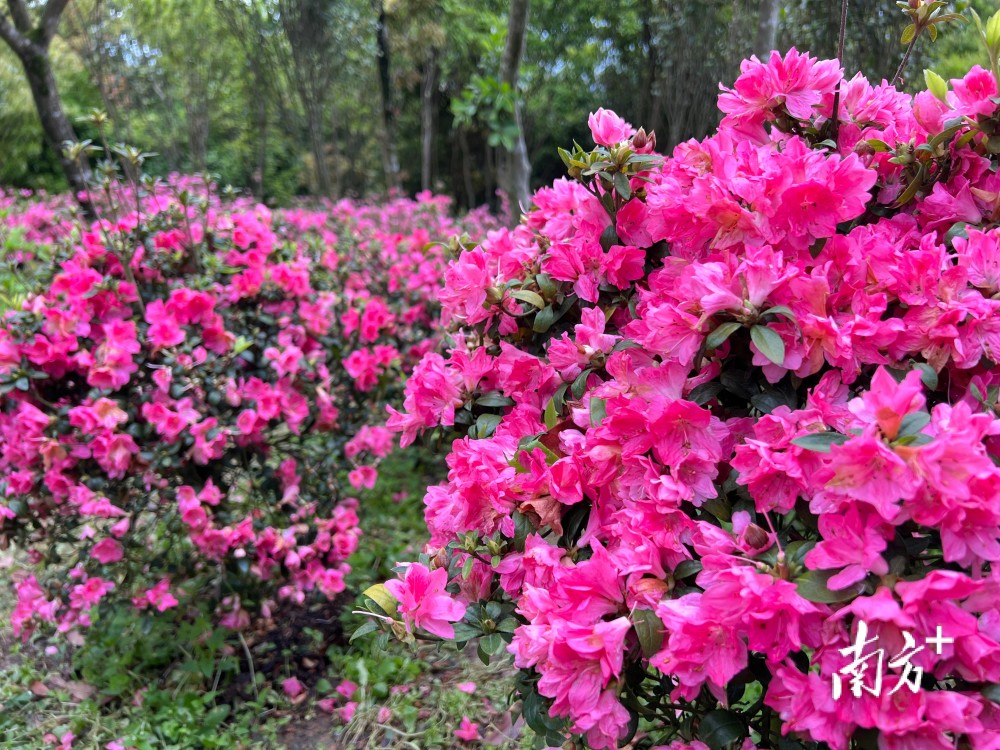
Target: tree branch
{"points": [[50, 19], [21, 45], [19, 12]]}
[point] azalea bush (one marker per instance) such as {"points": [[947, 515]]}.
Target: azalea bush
{"points": [[725, 428], [183, 391]]}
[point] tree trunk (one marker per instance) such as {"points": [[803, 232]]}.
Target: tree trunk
{"points": [[55, 124], [315, 124], [427, 102], [470, 193], [261, 146], [516, 173], [338, 182], [31, 45], [652, 93], [390, 159], [767, 28]]}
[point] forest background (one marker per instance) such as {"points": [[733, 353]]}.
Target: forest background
{"points": [[337, 98]]}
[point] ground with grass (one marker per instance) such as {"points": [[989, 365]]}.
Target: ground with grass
{"points": [[132, 684]]}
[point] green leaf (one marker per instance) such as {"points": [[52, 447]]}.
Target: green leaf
{"points": [[936, 84], [720, 728], [609, 237], [546, 284], [598, 411], [686, 568], [928, 376], [649, 628], [494, 399], [813, 586], [993, 32], [913, 423], [241, 345], [958, 229], [908, 33], [544, 319], [784, 311], [465, 632], [532, 298], [486, 425], [702, 394], [508, 625], [492, 644], [915, 440], [796, 551], [820, 441], [992, 693], [580, 384], [551, 415], [559, 397], [719, 507], [717, 337], [370, 626], [769, 400], [622, 186], [768, 343], [382, 599]]}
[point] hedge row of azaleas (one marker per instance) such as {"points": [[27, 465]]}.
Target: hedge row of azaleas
{"points": [[727, 412], [179, 395]]}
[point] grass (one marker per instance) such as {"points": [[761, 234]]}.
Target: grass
{"points": [[133, 682]]}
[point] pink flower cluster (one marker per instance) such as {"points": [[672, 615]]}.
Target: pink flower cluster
{"points": [[721, 417], [171, 420]]}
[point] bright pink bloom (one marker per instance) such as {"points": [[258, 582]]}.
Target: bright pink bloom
{"points": [[424, 603], [468, 730], [107, 551], [292, 687], [607, 128]]}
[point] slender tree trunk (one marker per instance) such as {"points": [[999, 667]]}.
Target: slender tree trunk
{"points": [[31, 45], [315, 124], [56, 124], [516, 172], [338, 182], [261, 146], [198, 136], [470, 193], [489, 172], [767, 28], [427, 102], [652, 94], [390, 158]]}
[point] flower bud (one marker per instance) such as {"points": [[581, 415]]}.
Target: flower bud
{"points": [[644, 142], [863, 148], [755, 536], [494, 295]]}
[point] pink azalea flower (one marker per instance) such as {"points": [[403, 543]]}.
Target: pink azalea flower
{"points": [[347, 688], [292, 687], [468, 730], [852, 541], [107, 551], [607, 128], [423, 601], [363, 477]]}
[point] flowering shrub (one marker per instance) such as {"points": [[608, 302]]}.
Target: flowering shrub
{"points": [[731, 421], [181, 392]]}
